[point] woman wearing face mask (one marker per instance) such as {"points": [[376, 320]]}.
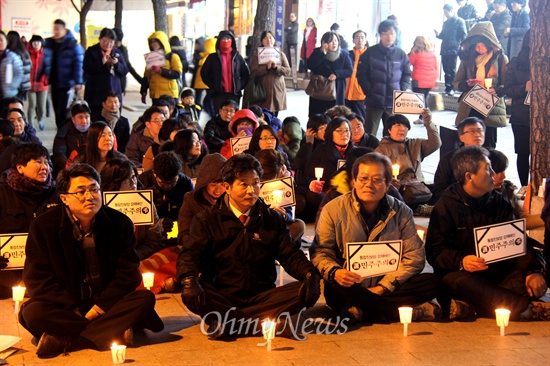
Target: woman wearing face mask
{"points": [[334, 63], [243, 124], [38, 94], [17, 117], [11, 69], [98, 149], [188, 146]]}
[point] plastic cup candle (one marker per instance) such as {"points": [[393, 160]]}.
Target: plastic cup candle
{"points": [[488, 83], [148, 280], [395, 170], [118, 352], [502, 317], [18, 293], [268, 329], [405, 317], [319, 173], [277, 196]]}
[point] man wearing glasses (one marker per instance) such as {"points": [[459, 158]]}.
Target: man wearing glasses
{"points": [[368, 214], [81, 271], [141, 141], [216, 131]]}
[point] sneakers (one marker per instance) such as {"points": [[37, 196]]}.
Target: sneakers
{"points": [[41, 125], [50, 346], [461, 311], [426, 312], [424, 210], [354, 314], [541, 310]]}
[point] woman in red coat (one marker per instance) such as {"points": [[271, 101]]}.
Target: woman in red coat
{"points": [[424, 73], [308, 45], [38, 94]]}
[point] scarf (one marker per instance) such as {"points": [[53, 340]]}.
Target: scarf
{"points": [[481, 61], [308, 31], [28, 187], [333, 55], [110, 117], [341, 150], [227, 72]]}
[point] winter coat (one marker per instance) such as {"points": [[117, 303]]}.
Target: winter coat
{"points": [[168, 203], [272, 119], [15, 67], [341, 222], [209, 47], [216, 131], [452, 35], [444, 176], [137, 146], [29, 135], [26, 82], [194, 201], [39, 81], [67, 139], [165, 82], [424, 69], [212, 72], [122, 133], [519, 25], [293, 132], [273, 81], [325, 156], [517, 75], [368, 140], [180, 51], [495, 68], [54, 266], [353, 89], [308, 45], [469, 14], [451, 232], [68, 56], [102, 79], [341, 67], [149, 238], [419, 148], [291, 33], [500, 23], [381, 71], [239, 260], [226, 150]]}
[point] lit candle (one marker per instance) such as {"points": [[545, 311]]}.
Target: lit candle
{"points": [[148, 280], [18, 294], [405, 316], [395, 170], [488, 83], [319, 173], [118, 352], [502, 317], [268, 329], [277, 196], [420, 234]]}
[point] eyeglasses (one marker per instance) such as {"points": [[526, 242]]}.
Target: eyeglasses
{"points": [[342, 132], [357, 128], [226, 110], [377, 181], [157, 121], [81, 193], [268, 138], [478, 131]]}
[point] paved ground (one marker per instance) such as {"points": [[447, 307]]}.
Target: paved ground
{"points": [[181, 343]]}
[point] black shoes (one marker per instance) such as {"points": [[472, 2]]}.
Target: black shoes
{"points": [[50, 346]]}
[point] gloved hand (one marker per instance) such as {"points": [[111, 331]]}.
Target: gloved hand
{"points": [[3, 262], [167, 225], [192, 293], [310, 289], [144, 98]]}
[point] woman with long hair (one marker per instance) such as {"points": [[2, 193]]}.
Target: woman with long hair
{"points": [[308, 44], [17, 46], [38, 94], [11, 69], [425, 70], [188, 146], [265, 138]]}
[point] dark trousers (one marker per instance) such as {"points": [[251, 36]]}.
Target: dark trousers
{"points": [[383, 309], [217, 100], [449, 68], [357, 106], [522, 136], [135, 309], [487, 294], [60, 97], [372, 120], [96, 113], [268, 304]]}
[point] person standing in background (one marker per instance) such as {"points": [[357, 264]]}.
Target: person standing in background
{"points": [[308, 44], [425, 70], [15, 45], [179, 50], [501, 20], [291, 36], [519, 26], [467, 12], [38, 95], [124, 50], [355, 98]]}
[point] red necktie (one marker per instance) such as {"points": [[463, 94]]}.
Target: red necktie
{"points": [[243, 218]]}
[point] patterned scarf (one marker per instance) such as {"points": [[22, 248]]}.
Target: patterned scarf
{"points": [[111, 117], [29, 187]]}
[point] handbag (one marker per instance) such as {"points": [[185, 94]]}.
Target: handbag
{"points": [[255, 91], [321, 88], [413, 190]]}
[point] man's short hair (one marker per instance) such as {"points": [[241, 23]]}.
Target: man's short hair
{"points": [[20, 111], [119, 34], [110, 94], [6, 104], [356, 116], [257, 110], [60, 22], [107, 32], [229, 102], [63, 181], [448, 7], [237, 165], [78, 107], [385, 25], [397, 119], [470, 121], [373, 158], [317, 120], [467, 159], [499, 161], [6, 128], [165, 101], [271, 161], [169, 126], [358, 31], [167, 165], [338, 111], [148, 114], [27, 152], [501, 2]]}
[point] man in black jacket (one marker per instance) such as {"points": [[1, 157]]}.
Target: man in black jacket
{"points": [[81, 272], [227, 267], [514, 284], [452, 35], [216, 131]]}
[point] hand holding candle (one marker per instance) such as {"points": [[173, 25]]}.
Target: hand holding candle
{"points": [[395, 170], [502, 317], [405, 317], [118, 352], [148, 280], [18, 294], [319, 173], [488, 83], [268, 329]]}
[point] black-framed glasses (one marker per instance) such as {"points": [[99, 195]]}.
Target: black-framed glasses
{"points": [[377, 181], [81, 193]]}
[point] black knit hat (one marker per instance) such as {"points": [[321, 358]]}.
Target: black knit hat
{"points": [[187, 93]]}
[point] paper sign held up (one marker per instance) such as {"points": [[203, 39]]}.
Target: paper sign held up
{"points": [[12, 247], [481, 99], [371, 259], [239, 144], [501, 241], [285, 185], [137, 205], [408, 102]]}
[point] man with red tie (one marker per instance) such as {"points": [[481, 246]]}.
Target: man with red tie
{"points": [[227, 267]]}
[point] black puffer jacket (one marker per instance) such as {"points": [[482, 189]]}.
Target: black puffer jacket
{"points": [[517, 75], [452, 35], [239, 260], [216, 131], [67, 139]]}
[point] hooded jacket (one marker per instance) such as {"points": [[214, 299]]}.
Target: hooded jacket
{"points": [[496, 67], [69, 57], [165, 82], [10, 58], [241, 114], [194, 201], [212, 72], [425, 70], [209, 46], [293, 132], [39, 81]]}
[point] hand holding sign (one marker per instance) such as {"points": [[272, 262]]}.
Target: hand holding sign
{"points": [[471, 263], [346, 278]]}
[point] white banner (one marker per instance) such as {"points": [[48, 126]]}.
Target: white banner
{"points": [[154, 58], [266, 54], [285, 185], [12, 247], [372, 259], [408, 102], [501, 241], [239, 144], [137, 205], [481, 100]]}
